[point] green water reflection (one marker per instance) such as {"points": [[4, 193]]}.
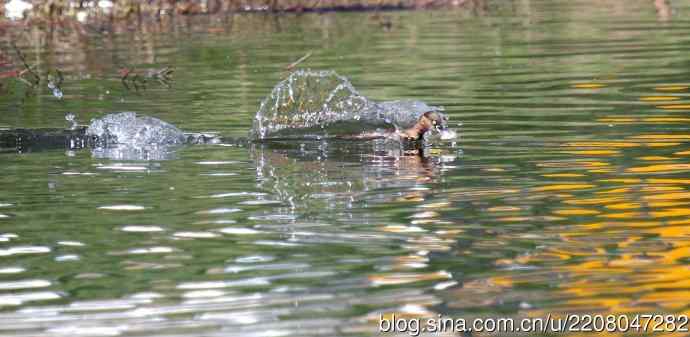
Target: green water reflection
{"points": [[567, 190]]}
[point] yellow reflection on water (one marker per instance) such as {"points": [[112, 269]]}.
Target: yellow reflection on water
{"points": [[660, 168], [593, 152], [672, 88], [662, 137], [674, 106], [658, 98], [588, 85], [653, 158], [562, 187], [624, 205], [666, 119], [563, 175], [623, 240], [661, 144], [601, 144]]}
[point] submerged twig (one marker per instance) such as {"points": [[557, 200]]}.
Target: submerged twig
{"points": [[163, 76], [27, 69], [292, 65], [129, 76], [54, 79]]}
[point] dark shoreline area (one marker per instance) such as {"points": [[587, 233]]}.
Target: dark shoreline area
{"points": [[125, 10]]}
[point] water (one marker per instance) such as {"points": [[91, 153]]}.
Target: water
{"points": [[126, 136], [323, 104], [307, 105], [128, 128], [566, 191]]}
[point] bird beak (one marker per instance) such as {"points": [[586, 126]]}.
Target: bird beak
{"points": [[443, 130]]}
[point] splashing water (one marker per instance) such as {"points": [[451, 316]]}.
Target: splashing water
{"points": [[322, 104], [306, 105], [126, 128], [71, 118], [55, 89], [125, 135]]}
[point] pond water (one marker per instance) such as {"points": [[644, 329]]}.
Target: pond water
{"points": [[568, 189]]}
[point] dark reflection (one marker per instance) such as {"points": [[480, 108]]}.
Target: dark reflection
{"points": [[336, 174]]}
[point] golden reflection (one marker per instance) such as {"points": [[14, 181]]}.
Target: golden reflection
{"points": [[624, 205], [601, 144], [601, 170], [619, 120], [562, 187], [661, 144], [504, 209], [668, 196], [674, 106], [593, 152], [662, 137], [661, 168], [624, 215], [623, 240], [668, 181], [622, 180], [671, 88], [588, 85], [593, 201], [563, 175], [666, 119], [672, 212], [666, 203], [658, 98], [614, 191], [653, 158]]}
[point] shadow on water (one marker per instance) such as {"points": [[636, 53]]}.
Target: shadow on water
{"points": [[330, 175]]}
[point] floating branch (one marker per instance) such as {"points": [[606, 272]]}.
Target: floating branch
{"points": [[129, 76], [27, 69], [292, 65]]}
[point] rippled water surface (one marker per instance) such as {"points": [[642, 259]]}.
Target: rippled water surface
{"points": [[567, 191]]}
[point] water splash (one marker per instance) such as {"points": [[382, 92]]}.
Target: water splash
{"points": [[323, 104], [124, 135], [55, 89], [306, 105], [125, 128], [71, 118]]}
